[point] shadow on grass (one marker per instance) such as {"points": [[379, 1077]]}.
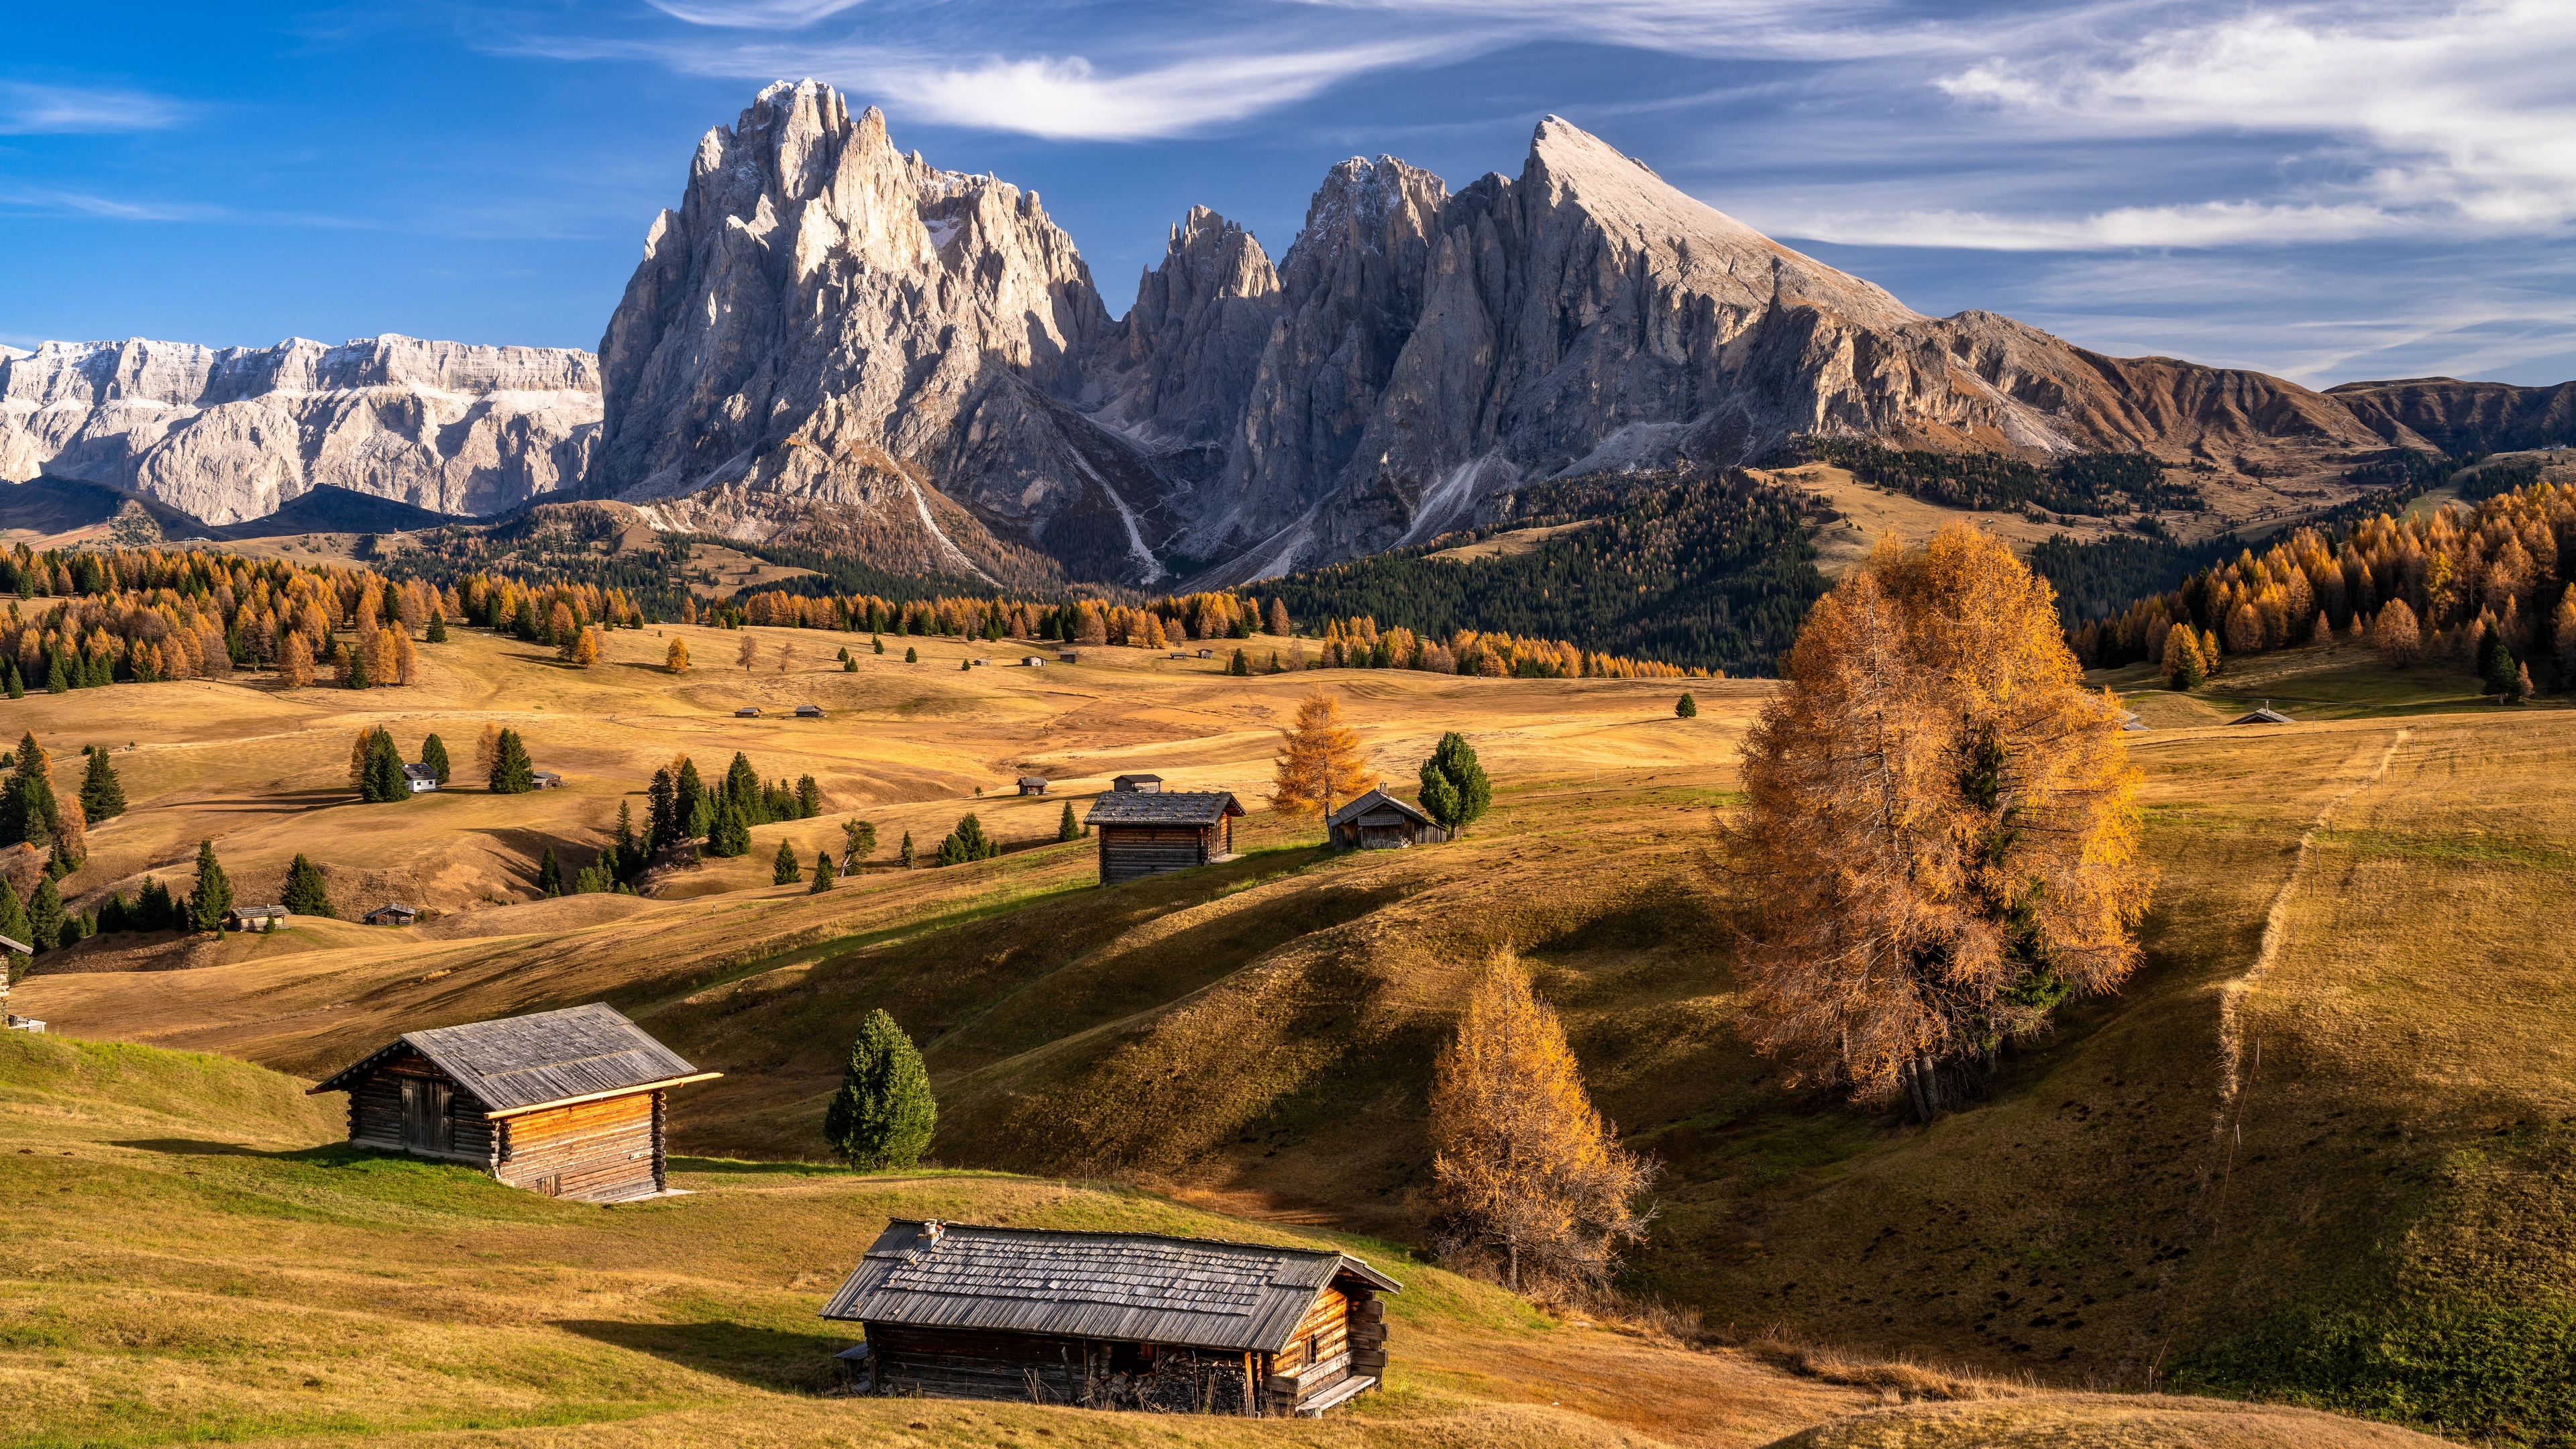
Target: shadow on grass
{"points": [[765, 1358], [736, 1165], [336, 1152]]}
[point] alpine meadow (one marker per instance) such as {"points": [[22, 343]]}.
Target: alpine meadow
{"points": [[1504, 814]]}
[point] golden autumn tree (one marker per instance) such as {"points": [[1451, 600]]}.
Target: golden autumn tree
{"points": [[1319, 761], [677, 659], [749, 653], [295, 661], [1526, 1177], [2396, 636], [487, 750], [1942, 828], [585, 648]]}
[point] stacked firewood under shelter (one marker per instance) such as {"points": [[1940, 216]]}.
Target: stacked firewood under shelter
{"points": [[1114, 1320]]}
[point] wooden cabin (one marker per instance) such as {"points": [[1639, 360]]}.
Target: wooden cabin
{"points": [[2266, 715], [748, 711], [545, 779], [1207, 654], [1137, 784], [1033, 661], [1068, 656], [1379, 821], [1033, 785], [1150, 833], [567, 1103], [254, 918], [1114, 1320], [809, 711], [421, 778], [392, 913]]}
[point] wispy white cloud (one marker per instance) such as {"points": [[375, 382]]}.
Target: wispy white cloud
{"points": [[38, 110], [78, 203], [754, 14], [1071, 99]]}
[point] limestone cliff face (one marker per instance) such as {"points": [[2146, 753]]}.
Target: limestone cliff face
{"points": [[826, 321], [233, 434], [1587, 315]]}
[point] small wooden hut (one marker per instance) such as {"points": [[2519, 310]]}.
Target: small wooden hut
{"points": [[1115, 1320], [2267, 715], [421, 778], [254, 918], [1149, 833], [567, 1103], [748, 711], [1379, 821], [1137, 784], [809, 711], [545, 779], [1033, 785], [392, 913]]}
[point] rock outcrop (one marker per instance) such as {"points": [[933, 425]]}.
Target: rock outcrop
{"points": [[824, 321], [234, 434]]}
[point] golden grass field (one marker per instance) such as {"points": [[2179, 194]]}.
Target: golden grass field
{"points": [[1255, 1038]]}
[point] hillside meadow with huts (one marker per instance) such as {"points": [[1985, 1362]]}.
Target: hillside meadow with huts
{"points": [[2291, 1177]]}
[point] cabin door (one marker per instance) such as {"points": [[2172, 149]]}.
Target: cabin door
{"points": [[427, 1124]]}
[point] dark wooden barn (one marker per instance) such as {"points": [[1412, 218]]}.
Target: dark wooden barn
{"points": [[567, 1103], [1115, 1320], [1379, 821], [1149, 833], [1137, 784]]}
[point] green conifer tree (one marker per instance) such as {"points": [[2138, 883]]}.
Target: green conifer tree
{"points": [[512, 773], [730, 835], [17, 686], [784, 870], [384, 780], [849, 665], [912, 656], [905, 855], [214, 893], [1066, 828], [742, 790], [433, 753], [45, 917], [307, 894], [13, 914], [437, 627], [688, 792], [2497, 668], [550, 879], [102, 795], [1454, 788], [858, 842], [876, 643], [55, 681], [1686, 707], [809, 798], [357, 666], [823, 873], [883, 1116]]}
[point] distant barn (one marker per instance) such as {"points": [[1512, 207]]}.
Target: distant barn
{"points": [[254, 918], [1379, 821], [809, 711], [1032, 661], [1115, 1320], [392, 913], [422, 778], [2266, 715], [1148, 833], [748, 711], [1134, 784], [1033, 785], [1068, 656], [545, 779], [566, 1103]]}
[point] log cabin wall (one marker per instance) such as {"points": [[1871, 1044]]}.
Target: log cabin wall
{"points": [[376, 1113], [1026, 1368], [1128, 852], [592, 1151]]}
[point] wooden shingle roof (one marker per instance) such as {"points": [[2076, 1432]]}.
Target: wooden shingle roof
{"points": [[520, 1063], [1122, 1287], [1169, 807], [1375, 800]]}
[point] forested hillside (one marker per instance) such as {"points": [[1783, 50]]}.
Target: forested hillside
{"points": [[1692, 569], [2106, 485]]}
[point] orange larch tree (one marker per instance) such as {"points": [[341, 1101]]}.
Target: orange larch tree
{"points": [[1942, 828], [1320, 762]]}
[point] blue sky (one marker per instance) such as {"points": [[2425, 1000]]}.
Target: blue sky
{"points": [[2331, 192]]}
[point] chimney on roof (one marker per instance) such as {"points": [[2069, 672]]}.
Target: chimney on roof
{"points": [[931, 1230]]}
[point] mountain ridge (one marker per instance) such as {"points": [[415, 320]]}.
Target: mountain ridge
{"points": [[833, 343]]}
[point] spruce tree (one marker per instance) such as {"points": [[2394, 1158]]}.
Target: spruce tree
{"points": [[876, 643], [688, 793], [437, 628], [849, 665], [661, 809], [912, 656], [742, 789], [883, 1116], [2497, 667], [1454, 788], [384, 780], [45, 917], [823, 873], [549, 875], [905, 855], [114, 914], [1241, 664], [858, 842], [1686, 707], [784, 870], [1065, 826], [307, 894], [730, 835], [55, 683], [17, 686], [626, 851], [102, 795], [809, 798], [357, 666], [213, 895], [433, 753], [512, 774]]}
